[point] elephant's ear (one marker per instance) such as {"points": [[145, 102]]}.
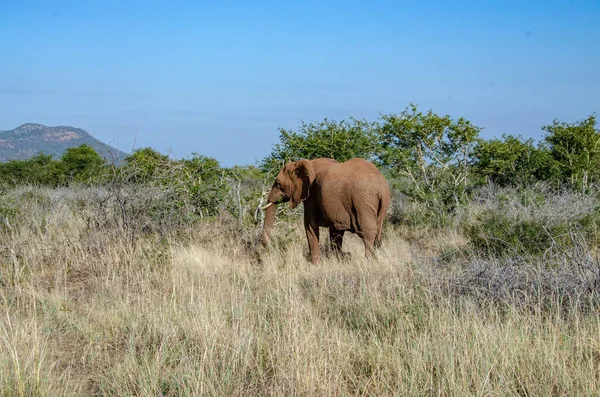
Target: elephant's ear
{"points": [[303, 179]]}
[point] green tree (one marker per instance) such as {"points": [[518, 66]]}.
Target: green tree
{"points": [[202, 166], [512, 161], [41, 169], [575, 147], [338, 140], [431, 152], [205, 182], [144, 164], [81, 163]]}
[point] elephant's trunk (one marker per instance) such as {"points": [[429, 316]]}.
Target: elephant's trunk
{"points": [[268, 225]]}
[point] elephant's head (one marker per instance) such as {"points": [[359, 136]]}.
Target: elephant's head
{"points": [[292, 184]]}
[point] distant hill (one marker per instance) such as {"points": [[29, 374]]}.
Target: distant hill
{"points": [[30, 139]]}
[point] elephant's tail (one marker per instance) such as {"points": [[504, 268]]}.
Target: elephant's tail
{"points": [[381, 213]]}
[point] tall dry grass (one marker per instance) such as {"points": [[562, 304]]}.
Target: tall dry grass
{"points": [[85, 310]]}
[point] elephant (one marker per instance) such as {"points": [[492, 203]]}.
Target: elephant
{"points": [[351, 196]]}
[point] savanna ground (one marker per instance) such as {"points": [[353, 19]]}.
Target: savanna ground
{"points": [[95, 302]]}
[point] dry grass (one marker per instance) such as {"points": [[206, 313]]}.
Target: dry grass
{"points": [[89, 312]]}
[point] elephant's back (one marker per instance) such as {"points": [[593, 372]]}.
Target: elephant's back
{"points": [[350, 186], [361, 176], [354, 174]]}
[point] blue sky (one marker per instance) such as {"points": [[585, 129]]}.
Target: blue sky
{"points": [[220, 77]]}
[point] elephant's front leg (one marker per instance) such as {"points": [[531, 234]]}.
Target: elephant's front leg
{"points": [[312, 235]]}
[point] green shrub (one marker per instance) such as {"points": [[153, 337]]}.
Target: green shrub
{"points": [[529, 222], [575, 148], [144, 165], [80, 164], [512, 161], [196, 184], [338, 140], [432, 154], [40, 170]]}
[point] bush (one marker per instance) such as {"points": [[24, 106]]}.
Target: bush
{"points": [[432, 153], [338, 140], [512, 161], [144, 165], [197, 184], [81, 163], [416, 214], [575, 148], [247, 187], [204, 181], [511, 222], [572, 284], [40, 170]]}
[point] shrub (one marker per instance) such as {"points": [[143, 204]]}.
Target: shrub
{"points": [[512, 161], [78, 164], [512, 222], [196, 184], [144, 164], [248, 185], [575, 147], [204, 181], [338, 140], [571, 285], [81, 163], [41, 169], [432, 152]]}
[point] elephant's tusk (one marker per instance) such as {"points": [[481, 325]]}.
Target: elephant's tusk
{"points": [[264, 207]]}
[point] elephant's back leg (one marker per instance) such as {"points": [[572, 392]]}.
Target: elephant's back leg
{"points": [[367, 229], [384, 203]]}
